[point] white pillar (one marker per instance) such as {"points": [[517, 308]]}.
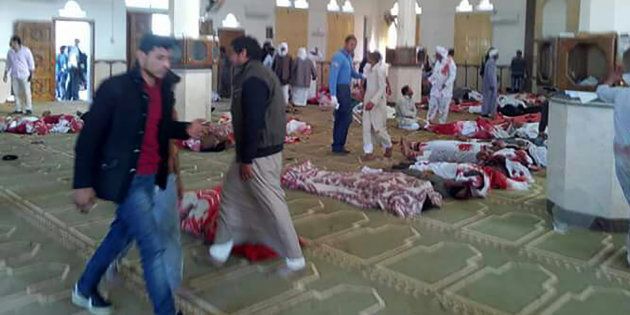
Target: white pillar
{"points": [[185, 17], [406, 23]]}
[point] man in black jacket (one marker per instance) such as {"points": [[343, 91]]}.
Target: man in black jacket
{"points": [[121, 155]]}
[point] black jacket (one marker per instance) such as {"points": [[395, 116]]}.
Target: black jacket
{"points": [[108, 147]]}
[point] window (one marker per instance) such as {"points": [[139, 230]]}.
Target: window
{"points": [[161, 24], [148, 4]]}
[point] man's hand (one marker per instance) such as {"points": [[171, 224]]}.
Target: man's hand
{"points": [[30, 76], [615, 76], [197, 129], [334, 102], [5, 78], [247, 172], [369, 106], [84, 199]]}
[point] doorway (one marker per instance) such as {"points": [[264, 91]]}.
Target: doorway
{"points": [[74, 57]]}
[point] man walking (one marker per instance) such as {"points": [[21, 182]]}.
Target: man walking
{"points": [[21, 66], [121, 155], [253, 207], [442, 80], [341, 73]]}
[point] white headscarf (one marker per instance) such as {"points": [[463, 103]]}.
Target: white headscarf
{"points": [[442, 51], [283, 49], [493, 52], [302, 53]]}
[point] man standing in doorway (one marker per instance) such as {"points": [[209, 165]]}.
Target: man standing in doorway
{"points": [[341, 74], [517, 67], [21, 66], [76, 74], [122, 153], [253, 206]]}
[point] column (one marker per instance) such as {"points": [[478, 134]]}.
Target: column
{"points": [[406, 23], [193, 94], [185, 17], [404, 70]]}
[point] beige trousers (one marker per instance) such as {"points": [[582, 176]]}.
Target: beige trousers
{"points": [[255, 212], [22, 93], [375, 127]]}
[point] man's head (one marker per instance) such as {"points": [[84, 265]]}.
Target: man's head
{"points": [[154, 55], [519, 53], [374, 57], [62, 49], [77, 42], [245, 48], [407, 91], [451, 53], [493, 53], [440, 53], [15, 42], [350, 44]]}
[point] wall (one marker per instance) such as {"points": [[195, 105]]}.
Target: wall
{"points": [[596, 16], [109, 43], [256, 16]]}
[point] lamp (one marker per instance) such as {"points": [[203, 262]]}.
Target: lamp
{"points": [[418, 9], [283, 3], [300, 4], [464, 6]]}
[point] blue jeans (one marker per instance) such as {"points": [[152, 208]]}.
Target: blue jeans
{"points": [[134, 221], [167, 219], [343, 118]]}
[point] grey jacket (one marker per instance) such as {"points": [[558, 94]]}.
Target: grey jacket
{"points": [[302, 73]]}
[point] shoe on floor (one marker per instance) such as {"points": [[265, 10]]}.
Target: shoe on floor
{"points": [[95, 304], [29, 112], [17, 113]]}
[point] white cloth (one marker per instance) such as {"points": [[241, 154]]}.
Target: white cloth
{"points": [[22, 92], [442, 81], [438, 105], [299, 96], [452, 151], [456, 172], [285, 92], [20, 63], [375, 120]]}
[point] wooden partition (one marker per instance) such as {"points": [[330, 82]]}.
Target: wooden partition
{"points": [[473, 37], [40, 38], [292, 28], [340, 25]]}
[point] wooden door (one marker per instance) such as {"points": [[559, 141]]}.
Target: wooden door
{"points": [[340, 25], [292, 28], [473, 37], [39, 37], [418, 31], [227, 35], [138, 24]]}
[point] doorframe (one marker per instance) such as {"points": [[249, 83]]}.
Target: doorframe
{"points": [[92, 48]]}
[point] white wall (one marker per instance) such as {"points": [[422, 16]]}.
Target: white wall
{"points": [[256, 16], [110, 43]]}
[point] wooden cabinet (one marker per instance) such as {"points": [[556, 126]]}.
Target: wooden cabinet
{"points": [[192, 54], [585, 61]]}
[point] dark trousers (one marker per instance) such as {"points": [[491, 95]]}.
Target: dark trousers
{"points": [[75, 84], [544, 121], [343, 118], [517, 83]]}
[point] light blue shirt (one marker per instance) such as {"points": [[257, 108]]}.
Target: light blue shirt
{"points": [[341, 71]]}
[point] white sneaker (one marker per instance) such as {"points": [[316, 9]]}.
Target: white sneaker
{"points": [[94, 304]]}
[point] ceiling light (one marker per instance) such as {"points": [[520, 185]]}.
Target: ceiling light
{"points": [[333, 6], [464, 6], [485, 5], [347, 7]]}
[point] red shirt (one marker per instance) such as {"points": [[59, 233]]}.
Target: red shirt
{"points": [[149, 160]]}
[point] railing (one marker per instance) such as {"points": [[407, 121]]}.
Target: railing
{"points": [[467, 76]]}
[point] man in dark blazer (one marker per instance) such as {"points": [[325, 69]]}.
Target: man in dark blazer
{"points": [[121, 156]]}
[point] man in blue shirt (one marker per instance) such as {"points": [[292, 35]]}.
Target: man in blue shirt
{"points": [[341, 74]]}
